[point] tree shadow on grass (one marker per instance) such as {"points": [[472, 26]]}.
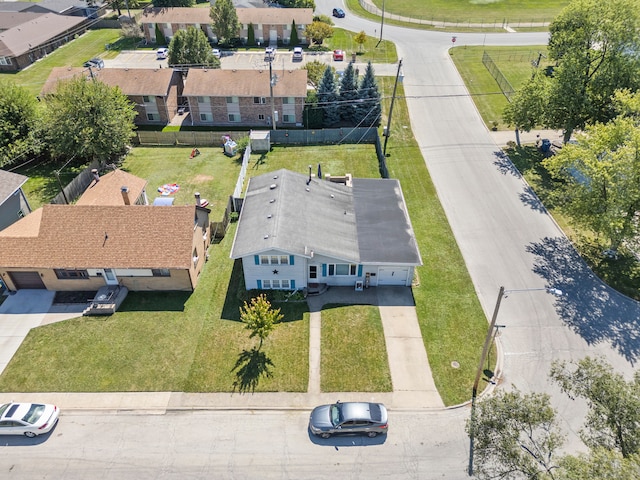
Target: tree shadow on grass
{"points": [[250, 366]]}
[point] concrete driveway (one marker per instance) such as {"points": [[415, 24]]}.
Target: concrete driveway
{"points": [[24, 310]]}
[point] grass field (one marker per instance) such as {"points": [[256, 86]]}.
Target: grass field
{"points": [[513, 62], [476, 11]]}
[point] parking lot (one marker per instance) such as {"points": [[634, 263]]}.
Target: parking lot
{"points": [[245, 60]]}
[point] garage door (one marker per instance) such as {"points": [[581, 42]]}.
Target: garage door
{"points": [[392, 276], [23, 280]]}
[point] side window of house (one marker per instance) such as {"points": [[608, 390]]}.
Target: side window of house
{"points": [[71, 274]]}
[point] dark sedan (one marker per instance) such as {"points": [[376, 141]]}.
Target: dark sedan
{"points": [[349, 418], [338, 13]]}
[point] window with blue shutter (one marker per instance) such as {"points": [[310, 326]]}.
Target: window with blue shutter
{"points": [[259, 282], [293, 284], [324, 269], [256, 258], [290, 259]]}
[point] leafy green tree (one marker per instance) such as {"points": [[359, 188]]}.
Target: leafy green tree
{"points": [[515, 436], [19, 115], [312, 114], [298, 4], [368, 109], [131, 30], [527, 107], [315, 71], [360, 39], [613, 421], [293, 38], [595, 46], [87, 120], [348, 95], [260, 318], [599, 463], [191, 47], [600, 179], [328, 98], [225, 20], [318, 31], [173, 3], [251, 35]]}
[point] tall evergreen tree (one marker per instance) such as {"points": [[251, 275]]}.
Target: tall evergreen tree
{"points": [[348, 94], [369, 109], [328, 98], [293, 38], [251, 35]]}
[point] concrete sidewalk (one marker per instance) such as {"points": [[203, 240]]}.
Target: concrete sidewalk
{"points": [[413, 387]]}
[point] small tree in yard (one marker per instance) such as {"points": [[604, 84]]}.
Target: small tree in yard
{"points": [[260, 318], [360, 39], [191, 47], [318, 31]]}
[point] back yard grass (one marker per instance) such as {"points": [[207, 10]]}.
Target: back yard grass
{"points": [[191, 342]]}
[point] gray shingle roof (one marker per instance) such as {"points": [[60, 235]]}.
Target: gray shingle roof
{"points": [[367, 223], [9, 183]]}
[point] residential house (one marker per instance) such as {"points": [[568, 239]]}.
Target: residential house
{"points": [[75, 8], [34, 7], [23, 44], [13, 19], [297, 231], [243, 97], [271, 25], [13, 203], [87, 246], [154, 92]]}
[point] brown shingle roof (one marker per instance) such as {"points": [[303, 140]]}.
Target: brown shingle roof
{"points": [[30, 35], [132, 81], [13, 19], [245, 83], [108, 190], [89, 236], [266, 16]]}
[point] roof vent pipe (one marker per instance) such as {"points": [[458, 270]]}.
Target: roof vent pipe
{"points": [[96, 175], [197, 195]]}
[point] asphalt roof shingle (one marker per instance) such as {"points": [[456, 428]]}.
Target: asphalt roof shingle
{"points": [[245, 83]]}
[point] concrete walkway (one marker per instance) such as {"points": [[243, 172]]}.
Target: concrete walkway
{"points": [[413, 386]]}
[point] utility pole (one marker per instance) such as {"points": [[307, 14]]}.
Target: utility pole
{"points": [[381, 24], [393, 98], [272, 82]]}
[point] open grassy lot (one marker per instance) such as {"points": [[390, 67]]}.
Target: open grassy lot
{"points": [[385, 52], [73, 54], [513, 62], [348, 331], [475, 11], [184, 342]]}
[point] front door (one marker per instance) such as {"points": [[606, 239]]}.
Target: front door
{"points": [[313, 273], [110, 277]]}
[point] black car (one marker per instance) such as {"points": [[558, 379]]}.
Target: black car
{"points": [[338, 13], [94, 63]]}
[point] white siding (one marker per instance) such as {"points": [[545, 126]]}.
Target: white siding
{"points": [[253, 272]]}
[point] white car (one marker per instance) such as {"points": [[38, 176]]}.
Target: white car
{"points": [[269, 53], [162, 53], [297, 54], [216, 52], [30, 419]]}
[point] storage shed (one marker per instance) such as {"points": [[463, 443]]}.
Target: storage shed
{"points": [[260, 141]]}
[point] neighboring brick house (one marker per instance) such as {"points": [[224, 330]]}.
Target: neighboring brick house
{"points": [[87, 246], [154, 92], [13, 203], [271, 25], [296, 231], [23, 44], [243, 97]]}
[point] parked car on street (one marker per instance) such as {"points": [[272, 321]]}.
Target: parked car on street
{"points": [[30, 419], [338, 55], [297, 54], [162, 53], [338, 13], [349, 418], [216, 52]]}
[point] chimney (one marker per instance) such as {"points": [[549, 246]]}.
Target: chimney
{"points": [[125, 195], [96, 176], [197, 195]]}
